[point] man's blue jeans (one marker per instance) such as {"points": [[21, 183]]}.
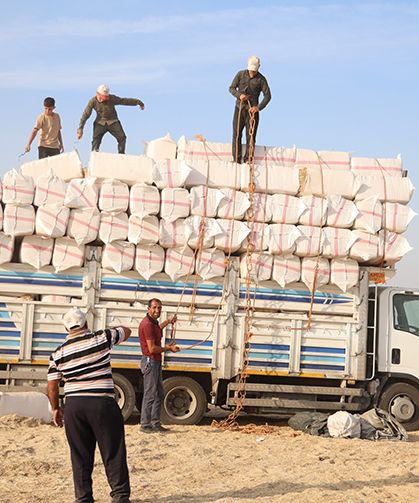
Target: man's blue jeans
{"points": [[153, 391]]}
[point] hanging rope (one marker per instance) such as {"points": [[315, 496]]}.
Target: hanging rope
{"points": [[230, 421]]}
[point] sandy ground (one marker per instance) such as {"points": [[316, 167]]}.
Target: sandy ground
{"points": [[203, 464]]}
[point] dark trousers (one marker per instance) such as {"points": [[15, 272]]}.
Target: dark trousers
{"points": [[238, 126], [153, 392], [47, 152], [89, 420], [116, 131]]}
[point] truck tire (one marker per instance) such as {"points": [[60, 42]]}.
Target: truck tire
{"points": [[185, 401], [124, 394], [402, 401]]}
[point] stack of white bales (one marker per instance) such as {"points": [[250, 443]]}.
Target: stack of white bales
{"points": [[314, 211]]}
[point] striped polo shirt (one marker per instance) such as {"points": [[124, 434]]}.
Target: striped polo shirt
{"points": [[83, 361]]}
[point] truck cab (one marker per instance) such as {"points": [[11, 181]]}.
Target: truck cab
{"points": [[397, 353]]}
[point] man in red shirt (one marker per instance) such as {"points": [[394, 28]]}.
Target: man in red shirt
{"points": [[150, 333]]}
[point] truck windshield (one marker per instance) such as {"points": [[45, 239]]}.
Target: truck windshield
{"points": [[406, 313]]}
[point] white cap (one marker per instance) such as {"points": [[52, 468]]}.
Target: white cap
{"points": [[74, 318], [103, 89], [253, 63]]}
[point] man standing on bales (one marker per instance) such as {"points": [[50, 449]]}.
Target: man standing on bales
{"points": [[91, 412], [106, 117], [49, 123], [150, 333], [246, 87]]}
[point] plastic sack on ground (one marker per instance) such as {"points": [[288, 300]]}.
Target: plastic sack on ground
{"points": [[343, 424]]}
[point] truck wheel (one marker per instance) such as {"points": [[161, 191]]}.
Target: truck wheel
{"points": [[125, 395], [402, 401], [184, 401]]}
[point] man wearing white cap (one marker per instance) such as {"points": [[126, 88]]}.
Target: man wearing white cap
{"points": [[106, 117], [246, 87], [91, 412]]}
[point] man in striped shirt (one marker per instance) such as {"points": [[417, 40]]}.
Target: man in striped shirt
{"points": [[91, 412]]}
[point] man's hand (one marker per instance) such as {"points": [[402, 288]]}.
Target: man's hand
{"points": [[141, 105], [253, 110], [28, 148], [174, 348], [243, 97], [79, 135], [58, 415], [61, 149], [173, 320]]}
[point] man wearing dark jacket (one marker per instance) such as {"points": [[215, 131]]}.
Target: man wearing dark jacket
{"points": [[246, 87], [106, 117]]}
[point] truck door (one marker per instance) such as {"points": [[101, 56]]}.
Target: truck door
{"points": [[404, 334]]}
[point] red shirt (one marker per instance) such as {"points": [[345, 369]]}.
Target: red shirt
{"points": [[149, 330]]}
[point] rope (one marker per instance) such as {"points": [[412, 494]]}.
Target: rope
{"points": [[230, 422], [382, 171]]}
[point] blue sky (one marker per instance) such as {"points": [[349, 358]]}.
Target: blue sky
{"points": [[343, 74]]}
